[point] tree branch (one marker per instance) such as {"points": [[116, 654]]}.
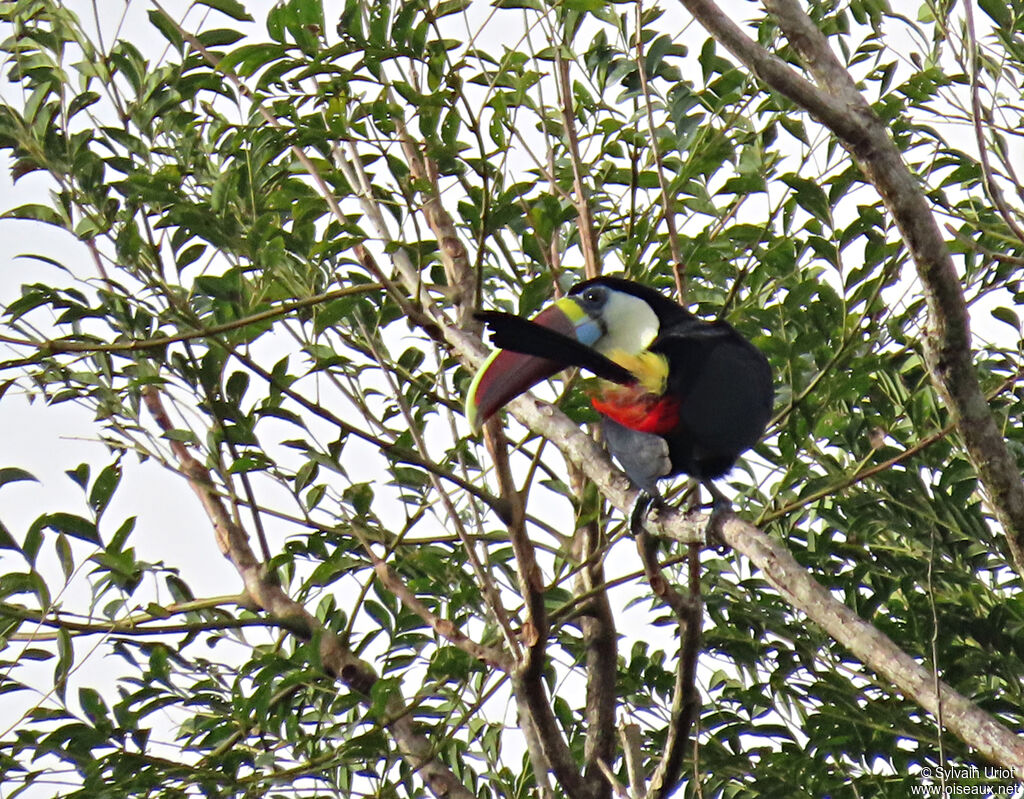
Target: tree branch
{"points": [[667, 199], [50, 347], [580, 196], [947, 343], [966, 720], [598, 625], [632, 748], [457, 267], [689, 613], [139, 624], [530, 689], [443, 627], [947, 346], [264, 590]]}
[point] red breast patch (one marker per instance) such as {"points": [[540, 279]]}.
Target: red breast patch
{"points": [[637, 409]]}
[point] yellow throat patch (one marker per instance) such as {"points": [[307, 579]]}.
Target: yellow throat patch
{"points": [[650, 368]]}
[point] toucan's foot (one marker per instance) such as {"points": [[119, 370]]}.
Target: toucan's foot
{"points": [[645, 501], [721, 507]]}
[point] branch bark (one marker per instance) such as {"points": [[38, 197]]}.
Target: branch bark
{"points": [[457, 268], [530, 689], [839, 106], [597, 622], [689, 613], [966, 720], [337, 659], [580, 195]]}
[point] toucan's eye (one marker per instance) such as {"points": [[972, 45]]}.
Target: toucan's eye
{"points": [[593, 296]]}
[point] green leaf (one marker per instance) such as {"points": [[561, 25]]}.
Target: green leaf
{"points": [[167, 28], [7, 540], [80, 474], [16, 583], [810, 196], [65, 662], [360, 496], [37, 213], [1008, 316], [93, 706], [655, 52], [104, 487], [179, 589], [74, 526], [999, 11], [65, 555], [232, 8], [12, 474], [185, 436]]}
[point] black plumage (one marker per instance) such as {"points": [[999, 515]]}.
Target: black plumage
{"points": [[715, 396]]}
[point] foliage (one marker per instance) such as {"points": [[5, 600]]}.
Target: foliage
{"points": [[213, 270]]}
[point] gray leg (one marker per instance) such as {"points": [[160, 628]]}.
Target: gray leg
{"points": [[644, 502], [721, 506]]}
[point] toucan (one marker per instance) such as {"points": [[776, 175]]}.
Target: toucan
{"points": [[677, 394]]}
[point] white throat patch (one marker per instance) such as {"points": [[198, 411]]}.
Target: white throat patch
{"points": [[628, 323]]}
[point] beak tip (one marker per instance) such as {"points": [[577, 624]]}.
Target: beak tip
{"points": [[476, 424], [472, 409]]}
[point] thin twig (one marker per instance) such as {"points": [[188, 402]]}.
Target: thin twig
{"points": [[443, 627], [992, 189], [265, 591], [613, 781], [632, 748], [50, 347], [581, 197], [668, 206], [689, 613], [457, 267]]}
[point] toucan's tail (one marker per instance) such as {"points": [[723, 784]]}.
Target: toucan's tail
{"points": [[520, 335]]}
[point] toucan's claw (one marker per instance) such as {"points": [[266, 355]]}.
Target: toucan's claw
{"points": [[721, 508], [641, 507]]}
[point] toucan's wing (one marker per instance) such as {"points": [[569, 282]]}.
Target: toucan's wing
{"points": [[724, 384], [509, 332]]}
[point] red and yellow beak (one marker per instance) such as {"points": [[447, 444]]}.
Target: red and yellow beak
{"points": [[507, 374]]}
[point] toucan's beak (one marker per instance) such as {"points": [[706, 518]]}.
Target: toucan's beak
{"points": [[507, 374]]}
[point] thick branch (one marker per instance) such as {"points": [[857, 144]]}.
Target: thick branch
{"points": [[457, 267], [967, 721], [598, 625], [689, 612], [530, 689], [947, 345], [337, 659]]}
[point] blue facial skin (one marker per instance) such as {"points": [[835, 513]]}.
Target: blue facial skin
{"points": [[587, 328]]}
